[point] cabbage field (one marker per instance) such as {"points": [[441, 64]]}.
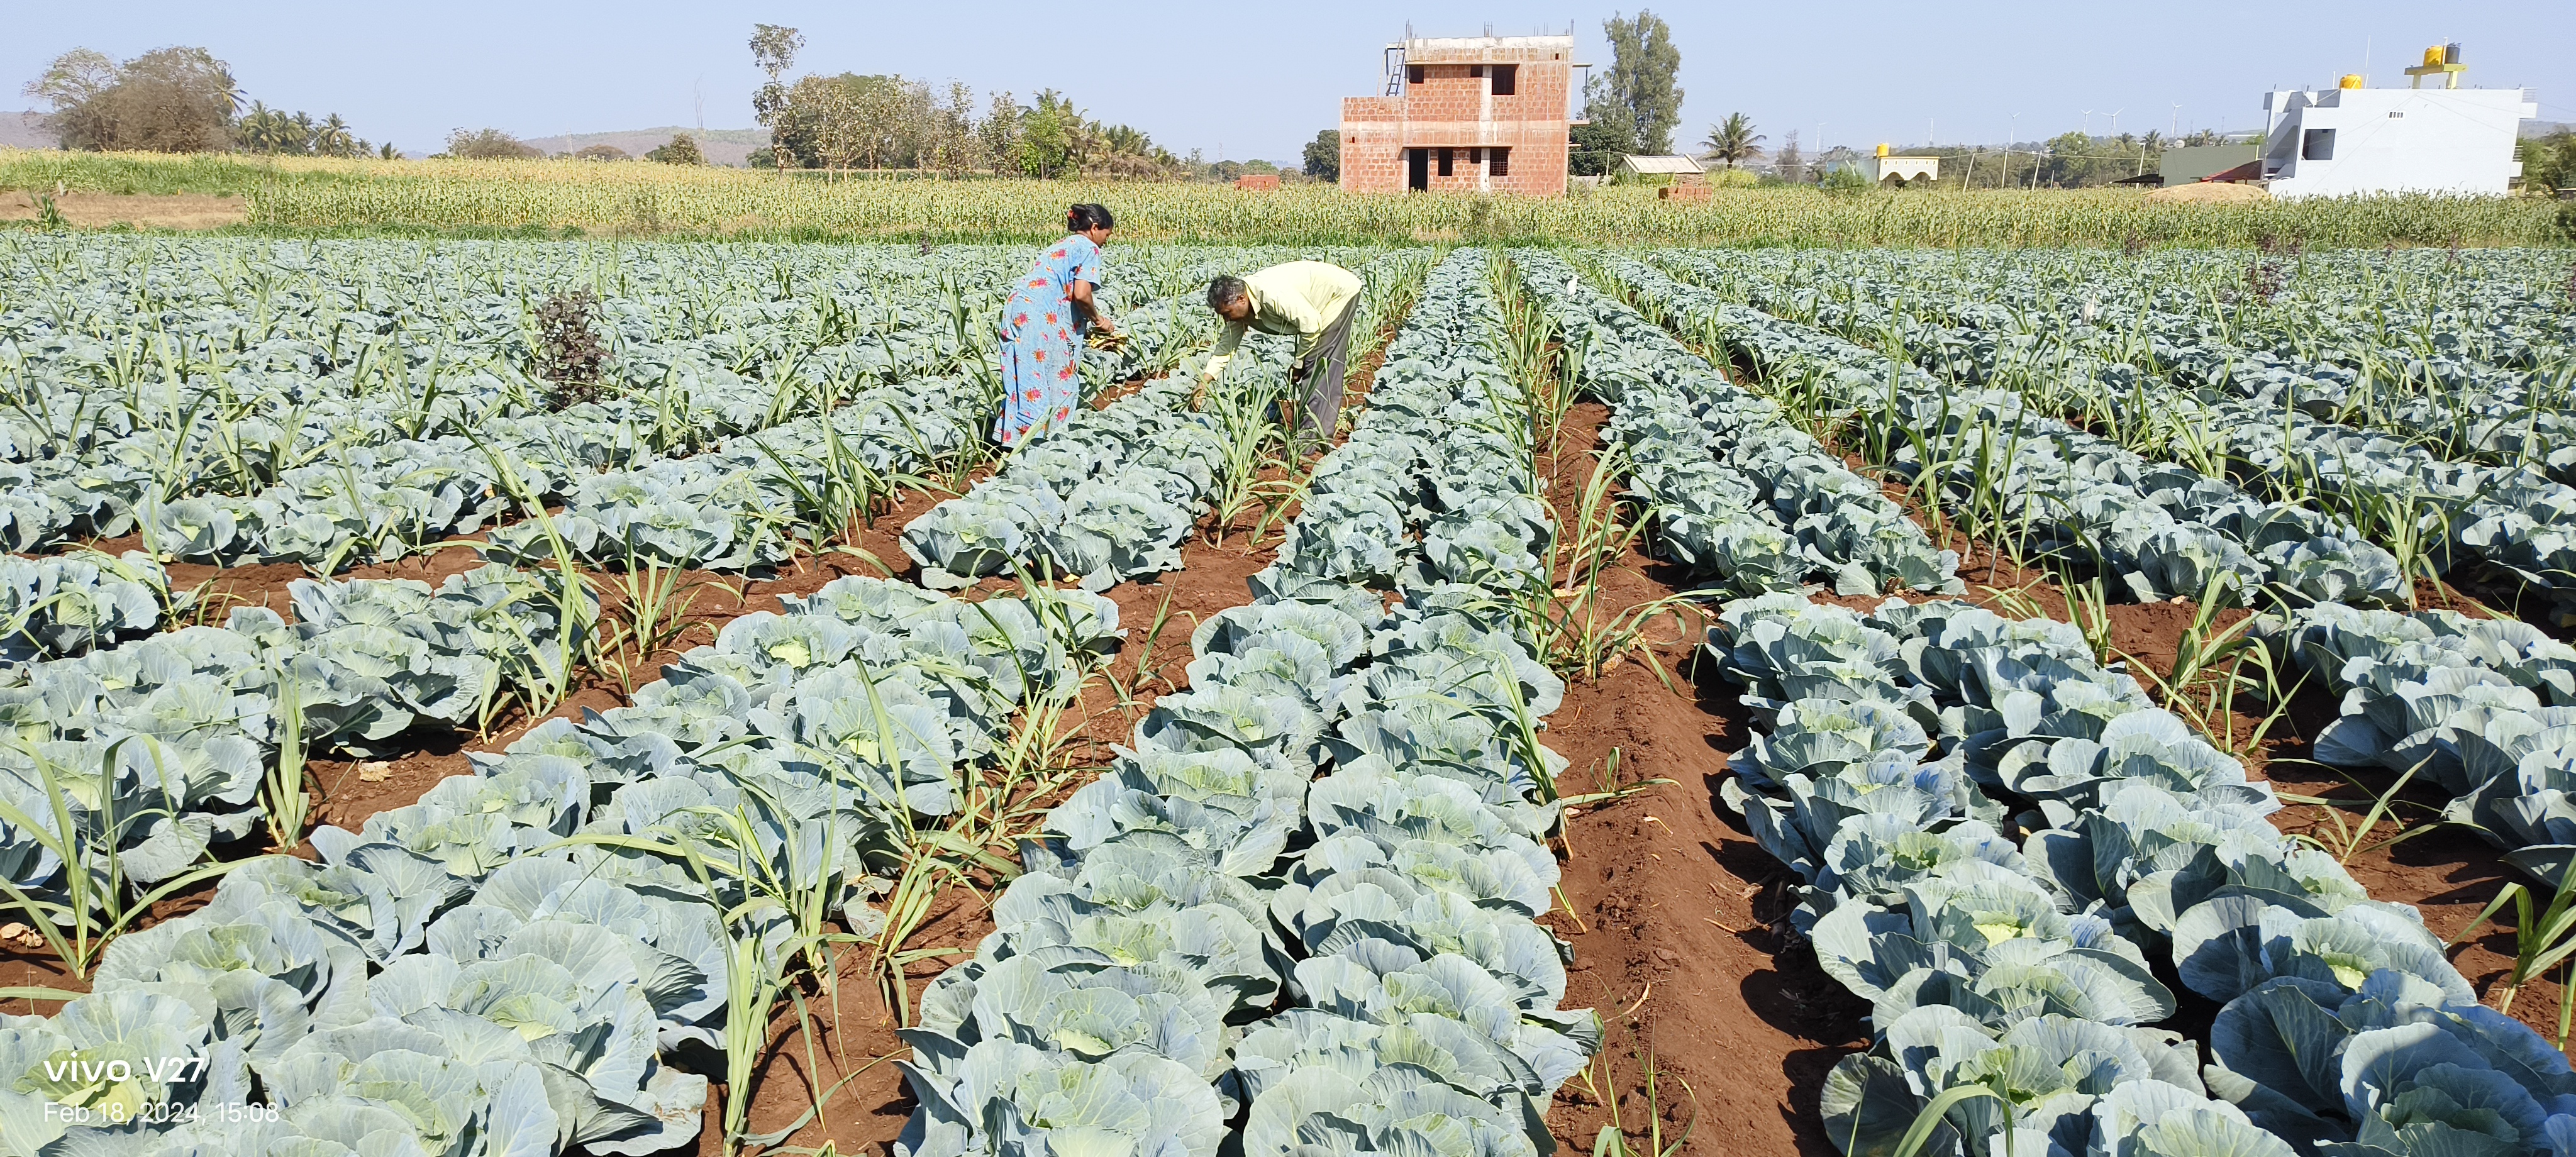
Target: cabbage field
{"points": [[798, 742]]}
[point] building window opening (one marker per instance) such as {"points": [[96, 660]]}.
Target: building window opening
{"points": [[1507, 79], [1448, 162], [1413, 74], [1476, 71], [1475, 156], [2317, 145], [1498, 163]]}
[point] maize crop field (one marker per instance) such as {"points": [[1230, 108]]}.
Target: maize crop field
{"points": [[520, 697], [292, 196]]}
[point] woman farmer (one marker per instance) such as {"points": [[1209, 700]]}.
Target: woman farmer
{"points": [[1043, 326]]}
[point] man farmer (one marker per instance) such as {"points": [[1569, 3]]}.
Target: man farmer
{"points": [[1311, 300]]}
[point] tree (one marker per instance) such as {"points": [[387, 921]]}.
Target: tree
{"points": [[1049, 138], [267, 130], [1608, 132], [999, 135], [601, 152], [1734, 140], [1788, 162], [773, 48], [168, 100], [2549, 162], [332, 138], [2069, 161], [1643, 64], [488, 145], [950, 146], [1324, 156], [681, 149]]}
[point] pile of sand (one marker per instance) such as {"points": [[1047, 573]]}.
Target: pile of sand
{"points": [[2208, 193]]}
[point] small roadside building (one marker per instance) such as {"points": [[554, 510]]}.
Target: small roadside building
{"points": [[1884, 166]]}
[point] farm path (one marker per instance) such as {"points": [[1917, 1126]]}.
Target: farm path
{"points": [[1663, 898]]}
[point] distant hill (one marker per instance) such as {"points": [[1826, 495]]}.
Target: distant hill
{"points": [[25, 130], [722, 146]]}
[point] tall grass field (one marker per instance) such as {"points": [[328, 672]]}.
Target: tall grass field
{"points": [[306, 195]]}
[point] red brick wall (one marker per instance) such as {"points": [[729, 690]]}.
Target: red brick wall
{"points": [[1453, 108]]}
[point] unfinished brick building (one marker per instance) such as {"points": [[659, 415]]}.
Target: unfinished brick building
{"points": [[1468, 114]]}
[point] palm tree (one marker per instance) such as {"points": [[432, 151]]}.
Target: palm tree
{"points": [[333, 139], [259, 131], [1734, 140]]}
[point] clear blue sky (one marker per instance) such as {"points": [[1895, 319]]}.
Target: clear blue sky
{"points": [[1258, 79]]}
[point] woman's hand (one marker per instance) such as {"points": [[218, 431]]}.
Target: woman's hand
{"points": [[1087, 302]]}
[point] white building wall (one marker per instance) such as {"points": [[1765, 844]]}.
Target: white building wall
{"points": [[1902, 168], [2343, 141]]}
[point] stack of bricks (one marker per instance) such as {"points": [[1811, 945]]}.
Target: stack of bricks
{"points": [[1474, 115]]}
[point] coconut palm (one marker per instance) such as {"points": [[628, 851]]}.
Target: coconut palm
{"points": [[332, 138], [1734, 140]]}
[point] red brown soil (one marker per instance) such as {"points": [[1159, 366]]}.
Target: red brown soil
{"points": [[1670, 908]]}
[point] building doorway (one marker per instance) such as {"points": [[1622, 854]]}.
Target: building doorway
{"points": [[1417, 168]]}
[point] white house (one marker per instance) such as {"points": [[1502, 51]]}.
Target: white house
{"points": [[2347, 140]]}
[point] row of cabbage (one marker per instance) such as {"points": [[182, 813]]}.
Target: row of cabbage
{"points": [[106, 337], [755, 499], [2158, 318], [73, 604], [316, 423], [137, 760], [1734, 491], [288, 449], [1110, 494], [1132, 995], [2420, 320], [2483, 710], [1107, 495], [1437, 482], [2137, 326], [543, 955], [2512, 521], [1899, 751], [2153, 530]]}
